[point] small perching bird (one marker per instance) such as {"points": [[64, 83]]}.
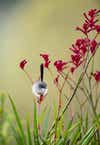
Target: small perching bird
{"points": [[39, 88]]}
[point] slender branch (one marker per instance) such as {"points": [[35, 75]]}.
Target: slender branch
{"points": [[29, 77], [59, 106]]}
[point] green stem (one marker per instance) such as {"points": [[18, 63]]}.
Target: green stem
{"points": [[59, 106]]}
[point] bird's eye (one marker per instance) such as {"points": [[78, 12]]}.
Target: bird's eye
{"points": [[42, 85]]}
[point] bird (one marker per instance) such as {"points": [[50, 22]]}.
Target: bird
{"points": [[39, 88]]}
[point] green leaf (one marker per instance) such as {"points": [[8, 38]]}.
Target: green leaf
{"points": [[88, 136], [44, 142], [16, 134], [70, 130], [60, 141], [69, 125], [36, 135], [18, 121], [46, 122], [86, 121], [42, 115], [28, 132], [2, 103], [75, 137], [55, 110]]}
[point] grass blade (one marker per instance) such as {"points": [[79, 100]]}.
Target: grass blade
{"points": [[46, 122], [75, 137], [88, 136], [36, 136], [18, 121], [28, 132]]}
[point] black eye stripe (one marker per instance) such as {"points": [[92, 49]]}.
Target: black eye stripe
{"points": [[42, 85]]}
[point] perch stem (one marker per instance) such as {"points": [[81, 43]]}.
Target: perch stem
{"points": [[29, 77], [39, 111]]}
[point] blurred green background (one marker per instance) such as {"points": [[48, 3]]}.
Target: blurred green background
{"points": [[31, 27]]}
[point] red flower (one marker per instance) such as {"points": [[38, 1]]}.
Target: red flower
{"points": [[80, 47], [97, 27], [46, 59], [93, 46], [45, 56], [89, 22], [85, 26], [76, 59], [22, 64], [60, 65], [96, 76], [93, 12], [72, 69], [56, 80]]}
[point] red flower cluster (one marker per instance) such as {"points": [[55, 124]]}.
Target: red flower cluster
{"points": [[83, 45], [22, 64], [79, 49], [90, 22], [46, 60], [60, 65], [96, 76]]}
